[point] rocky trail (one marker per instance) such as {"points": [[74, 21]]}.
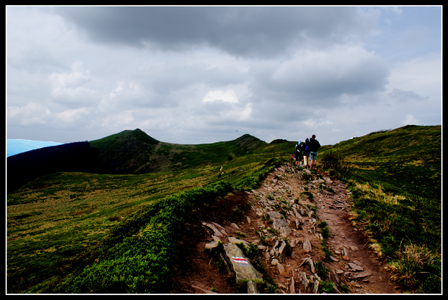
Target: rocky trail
{"points": [[291, 218]]}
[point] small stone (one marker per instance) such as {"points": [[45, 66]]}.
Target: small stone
{"points": [[361, 275], [292, 288], [307, 246], [252, 287], [333, 258], [274, 262], [211, 245], [267, 256], [355, 267], [280, 268]]}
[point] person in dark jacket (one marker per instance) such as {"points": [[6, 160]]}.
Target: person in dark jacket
{"points": [[299, 153], [313, 147], [306, 152]]}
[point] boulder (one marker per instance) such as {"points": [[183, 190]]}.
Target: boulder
{"points": [[240, 264]]}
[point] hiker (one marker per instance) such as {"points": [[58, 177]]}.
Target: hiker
{"points": [[313, 146], [299, 152], [306, 151]]}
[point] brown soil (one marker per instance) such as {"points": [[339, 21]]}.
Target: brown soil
{"points": [[198, 273]]}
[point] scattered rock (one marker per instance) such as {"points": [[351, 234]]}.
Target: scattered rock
{"points": [[316, 286], [240, 264], [280, 268], [211, 245], [213, 228], [307, 246], [235, 226], [355, 267], [333, 258], [202, 290], [360, 275]]}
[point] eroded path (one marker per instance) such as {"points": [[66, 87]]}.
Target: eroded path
{"points": [[291, 205]]}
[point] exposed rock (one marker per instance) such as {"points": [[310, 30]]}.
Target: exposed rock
{"points": [[355, 267], [310, 262], [240, 265], [307, 246], [335, 275], [316, 286], [280, 268], [274, 215], [234, 240], [235, 226], [282, 252], [360, 275], [213, 228], [252, 287], [304, 280], [211, 245], [202, 290], [292, 288], [333, 258]]}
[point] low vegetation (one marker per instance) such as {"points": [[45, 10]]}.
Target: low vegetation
{"points": [[395, 182], [66, 230], [76, 232]]}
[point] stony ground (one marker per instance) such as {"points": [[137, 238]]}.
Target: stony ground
{"points": [[282, 209]]}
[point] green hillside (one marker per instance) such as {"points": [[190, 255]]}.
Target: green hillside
{"points": [[60, 223], [133, 151], [395, 159], [103, 233], [395, 179]]}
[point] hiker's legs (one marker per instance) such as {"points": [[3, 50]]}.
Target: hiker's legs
{"points": [[313, 159]]}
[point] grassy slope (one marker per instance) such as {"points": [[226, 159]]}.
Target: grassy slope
{"points": [[64, 220], [395, 158], [56, 219], [395, 178]]}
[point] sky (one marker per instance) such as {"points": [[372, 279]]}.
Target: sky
{"points": [[203, 74]]}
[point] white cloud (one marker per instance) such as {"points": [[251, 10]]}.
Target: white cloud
{"points": [[72, 115], [31, 114], [228, 96], [411, 120], [421, 75], [68, 89]]}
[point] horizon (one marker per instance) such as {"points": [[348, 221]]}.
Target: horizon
{"points": [[18, 148], [199, 74]]}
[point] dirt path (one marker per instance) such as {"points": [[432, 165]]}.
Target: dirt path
{"points": [[352, 266]]}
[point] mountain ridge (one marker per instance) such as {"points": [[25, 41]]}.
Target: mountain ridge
{"points": [[126, 152]]}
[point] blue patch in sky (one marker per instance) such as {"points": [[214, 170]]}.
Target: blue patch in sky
{"points": [[16, 146]]}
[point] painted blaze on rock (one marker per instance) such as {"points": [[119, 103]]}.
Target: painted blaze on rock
{"points": [[240, 264]]}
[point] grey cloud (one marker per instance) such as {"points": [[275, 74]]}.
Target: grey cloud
{"points": [[405, 96], [241, 31], [320, 79]]}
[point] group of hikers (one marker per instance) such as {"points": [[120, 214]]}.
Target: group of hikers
{"points": [[306, 152]]}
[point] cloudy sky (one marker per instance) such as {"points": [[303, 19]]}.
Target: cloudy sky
{"points": [[192, 75]]}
